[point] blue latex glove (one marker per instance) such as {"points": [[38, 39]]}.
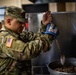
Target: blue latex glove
{"points": [[52, 30]]}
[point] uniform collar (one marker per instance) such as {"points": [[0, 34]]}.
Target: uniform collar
{"points": [[12, 32]]}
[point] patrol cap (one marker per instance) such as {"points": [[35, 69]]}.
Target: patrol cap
{"points": [[15, 12]]}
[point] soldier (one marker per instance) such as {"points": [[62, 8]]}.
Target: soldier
{"points": [[17, 47]]}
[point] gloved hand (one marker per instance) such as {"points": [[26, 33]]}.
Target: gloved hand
{"points": [[52, 30]]}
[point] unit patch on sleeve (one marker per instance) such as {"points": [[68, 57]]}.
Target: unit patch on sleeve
{"points": [[9, 42]]}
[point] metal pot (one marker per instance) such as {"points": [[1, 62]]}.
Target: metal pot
{"points": [[68, 62]]}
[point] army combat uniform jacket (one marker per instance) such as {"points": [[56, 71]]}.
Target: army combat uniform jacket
{"points": [[16, 48]]}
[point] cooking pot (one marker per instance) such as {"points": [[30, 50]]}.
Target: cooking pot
{"points": [[55, 64]]}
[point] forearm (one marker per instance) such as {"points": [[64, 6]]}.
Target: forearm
{"points": [[41, 44], [24, 51], [42, 28], [28, 36]]}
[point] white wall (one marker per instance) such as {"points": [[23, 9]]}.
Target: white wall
{"points": [[14, 2], [26, 2], [8, 2]]}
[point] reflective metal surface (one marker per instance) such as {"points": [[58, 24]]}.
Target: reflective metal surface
{"points": [[66, 22], [56, 64]]}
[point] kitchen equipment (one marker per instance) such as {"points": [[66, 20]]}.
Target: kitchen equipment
{"points": [[55, 64], [62, 57]]}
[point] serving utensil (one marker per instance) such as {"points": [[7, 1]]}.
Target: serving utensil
{"points": [[62, 57]]}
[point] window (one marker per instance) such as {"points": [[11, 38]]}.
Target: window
{"points": [[2, 10]]}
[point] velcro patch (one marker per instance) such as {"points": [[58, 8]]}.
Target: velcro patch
{"points": [[9, 42]]}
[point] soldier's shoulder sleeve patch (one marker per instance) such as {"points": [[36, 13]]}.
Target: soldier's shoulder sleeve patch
{"points": [[9, 42]]}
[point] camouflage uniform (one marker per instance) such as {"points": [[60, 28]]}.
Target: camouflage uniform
{"points": [[16, 50]]}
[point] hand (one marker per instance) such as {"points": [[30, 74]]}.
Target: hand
{"points": [[52, 30], [47, 18]]}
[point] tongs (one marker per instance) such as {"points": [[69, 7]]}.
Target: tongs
{"points": [[62, 57]]}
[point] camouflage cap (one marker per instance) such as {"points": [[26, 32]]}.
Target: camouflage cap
{"points": [[15, 12]]}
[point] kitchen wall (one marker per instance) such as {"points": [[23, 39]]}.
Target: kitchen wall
{"points": [[9, 2], [14, 2], [61, 7], [69, 6]]}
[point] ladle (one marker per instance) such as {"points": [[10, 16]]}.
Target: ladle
{"points": [[62, 57]]}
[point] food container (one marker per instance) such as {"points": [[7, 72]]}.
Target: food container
{"points": [[69, 68]]}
